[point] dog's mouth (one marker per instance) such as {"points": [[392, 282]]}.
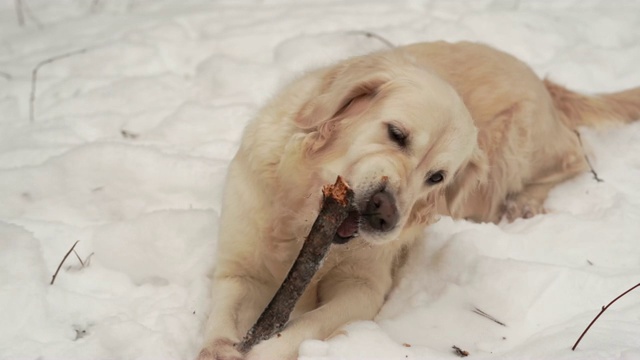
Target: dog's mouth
{"points": [[349, 228], [376, 215]]}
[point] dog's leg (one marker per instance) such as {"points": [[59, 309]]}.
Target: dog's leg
{"points": [[530, 201], [344, 297], [237, 303], [527, 203]]}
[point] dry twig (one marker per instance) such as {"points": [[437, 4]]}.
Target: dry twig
{"points": [[83, 263], [484, 314], [128, 134], [62, 262], [335, 208], [86, 261], [595, 174], [460, 352], [34, 77], [604, 308], [79, 259], [374, 36]]}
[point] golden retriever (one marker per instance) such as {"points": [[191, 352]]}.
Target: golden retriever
{"points": [[421, 130]]}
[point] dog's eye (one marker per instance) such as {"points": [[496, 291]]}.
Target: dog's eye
{"points": [[397, 135], [435, 178]]}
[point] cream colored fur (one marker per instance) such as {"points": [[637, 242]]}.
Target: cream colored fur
{"points": [[501, 136]]}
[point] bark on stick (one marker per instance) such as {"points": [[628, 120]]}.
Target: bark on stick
{"points": [[335, 208]]}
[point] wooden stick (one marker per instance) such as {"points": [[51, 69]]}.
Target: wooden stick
{"points": [[600, 313], [34, 78], [335, 208], [373, 35], [62, 262], [79, 259], [460, 352], [595, 174], [484, 314]]}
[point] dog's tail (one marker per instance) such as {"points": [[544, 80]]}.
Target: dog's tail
{"points": [[596, 111]]}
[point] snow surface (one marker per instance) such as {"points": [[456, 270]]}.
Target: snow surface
{"points": [[132, 133]]}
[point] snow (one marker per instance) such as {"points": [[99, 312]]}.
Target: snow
{"points": [[133, 131]]}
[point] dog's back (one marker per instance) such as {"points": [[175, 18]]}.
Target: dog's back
{"points": [[526, 126]]}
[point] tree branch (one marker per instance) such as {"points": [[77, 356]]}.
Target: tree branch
{"points": [[34, 77], [595, 174], [53, 279], [600, 313], [370, 34], [335, 208]]}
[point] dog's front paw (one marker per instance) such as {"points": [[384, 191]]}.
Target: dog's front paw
{"points": [[220, 349], [276, 348], [521, 206]]}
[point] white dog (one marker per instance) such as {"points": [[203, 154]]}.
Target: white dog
{"points": [[421, 130]]}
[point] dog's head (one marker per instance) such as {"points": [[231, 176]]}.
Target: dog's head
{"points": [[400, 136]]}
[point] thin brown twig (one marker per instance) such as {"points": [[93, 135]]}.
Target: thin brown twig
{"points": [[336, 204], [79, 259], [53, 279], [484, 314], [595, 174], [83, 263], [604, 308], [460, 352], [34, 77], [87, 260], [370, 34]]}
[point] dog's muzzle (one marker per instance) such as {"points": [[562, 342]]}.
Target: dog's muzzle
{"points": [[381, 213], [378, 214]]}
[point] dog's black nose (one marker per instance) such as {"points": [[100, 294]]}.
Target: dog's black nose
{"points": [[381, 211]]}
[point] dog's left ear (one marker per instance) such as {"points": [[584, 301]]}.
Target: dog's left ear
{"points": [[468, 179], [344, 91]]}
